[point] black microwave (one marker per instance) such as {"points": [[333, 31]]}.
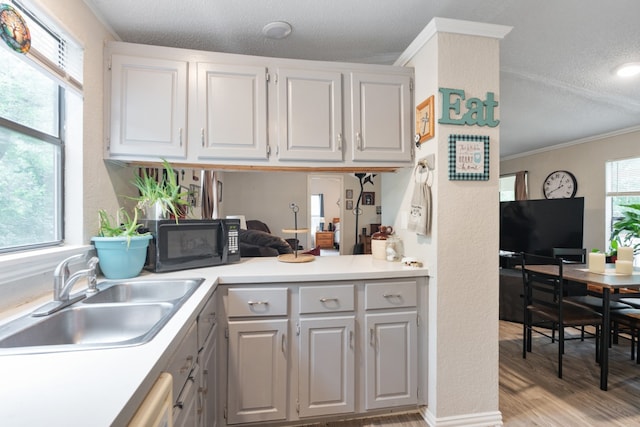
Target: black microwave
{"points": [[191, 243]]}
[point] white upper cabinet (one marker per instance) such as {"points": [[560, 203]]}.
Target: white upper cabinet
{"points": [[148, 107], [381, 117], [207, 108], [231, 117], [309, 115]]}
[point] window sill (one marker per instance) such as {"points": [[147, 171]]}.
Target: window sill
{"points": [[21, 265]]}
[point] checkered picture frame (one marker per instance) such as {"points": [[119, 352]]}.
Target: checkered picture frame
{"points": [[468, 176]]}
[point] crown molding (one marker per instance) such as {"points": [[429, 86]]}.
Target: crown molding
{"points": [[457, 26]]}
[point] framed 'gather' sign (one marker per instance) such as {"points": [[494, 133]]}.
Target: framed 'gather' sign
{"points": [[468, 157]]}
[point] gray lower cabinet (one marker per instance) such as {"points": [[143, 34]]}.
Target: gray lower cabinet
{"points": [[184, 368], [257, 371], [257, 354], [391, 348], [326, 366], [208, 361], [303, 352], [391, 365]]}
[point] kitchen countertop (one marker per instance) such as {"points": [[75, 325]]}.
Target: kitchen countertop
{"points": [[104, 387]]}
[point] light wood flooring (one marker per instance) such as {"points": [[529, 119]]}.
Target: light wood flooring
{"points": [[531, 394]]}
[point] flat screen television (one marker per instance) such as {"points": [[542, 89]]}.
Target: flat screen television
{"points": [[538, 226]]}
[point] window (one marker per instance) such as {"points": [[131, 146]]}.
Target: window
{"points": [[32, 119], [623, 188], [317, 211], [507, 188]]}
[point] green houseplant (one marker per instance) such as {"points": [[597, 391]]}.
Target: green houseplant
{"points": [[626, 231], [120, 244], [160, 198]]}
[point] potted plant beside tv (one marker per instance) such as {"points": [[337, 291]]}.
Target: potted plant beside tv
{"points": [[626, 230], [120, 244], [160, 197]]}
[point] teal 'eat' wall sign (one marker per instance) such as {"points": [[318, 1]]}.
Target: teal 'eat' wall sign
{"points": [[478, 112]]}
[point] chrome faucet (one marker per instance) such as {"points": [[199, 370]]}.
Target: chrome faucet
{"points": [[63, 282]]}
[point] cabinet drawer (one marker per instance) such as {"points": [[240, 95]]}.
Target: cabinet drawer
{"points": [[183, 360], [257, 302], [324, 299], [206, 321], [390, 294]]}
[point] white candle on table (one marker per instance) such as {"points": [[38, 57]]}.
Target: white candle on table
{"points": [[596, 262], [625, 253], [624, 267]]}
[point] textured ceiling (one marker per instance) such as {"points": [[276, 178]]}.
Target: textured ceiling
{"points": [[556, 63]]}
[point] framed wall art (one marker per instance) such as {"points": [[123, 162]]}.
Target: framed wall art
{"points": [[349, 193], [193, 195], [349, 205], [368, 198], [424, 121], [468, 157]]}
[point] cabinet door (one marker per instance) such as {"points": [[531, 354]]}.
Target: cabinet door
{"points": [[208, 381], [148, 107], [391, 360], [326, 365], [185, 411], [381, 117], [257, 371], [309, 115], [230, 121]]}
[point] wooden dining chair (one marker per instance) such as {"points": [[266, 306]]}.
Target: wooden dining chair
{"points": [[546, 307], [592, 296], [577, 255], [630, 318]]}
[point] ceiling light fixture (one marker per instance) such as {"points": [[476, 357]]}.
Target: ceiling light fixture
{"points": [[628, 70], [277, 30]]}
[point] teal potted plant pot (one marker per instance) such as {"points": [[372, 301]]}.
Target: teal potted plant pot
{"points": [[121, 248]]}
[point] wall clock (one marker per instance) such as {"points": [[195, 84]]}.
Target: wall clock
{"points": [[560, 185]]}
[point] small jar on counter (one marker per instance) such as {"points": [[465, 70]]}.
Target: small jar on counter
{"points": [[393, 248], [378, 242]]}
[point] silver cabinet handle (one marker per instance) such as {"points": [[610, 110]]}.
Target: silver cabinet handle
{"points": [[202, 137], [359, 141], [284, 343], [187, 366], [328, 299], [180, 136], [258, 302], [340, 141], [392, 295], [372, 337], [351, 339], [205, 388]]}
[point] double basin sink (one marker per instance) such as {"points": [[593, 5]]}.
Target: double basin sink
{"points": [[123, 313]]}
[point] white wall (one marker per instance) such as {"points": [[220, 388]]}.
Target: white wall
{"points": [[586, 160], [90, 184], [462, 253]]}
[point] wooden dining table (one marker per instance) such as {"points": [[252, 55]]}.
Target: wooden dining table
{"points": [[611, 283]]}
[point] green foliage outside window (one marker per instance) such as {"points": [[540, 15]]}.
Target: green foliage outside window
{"points": [[30, 156]]}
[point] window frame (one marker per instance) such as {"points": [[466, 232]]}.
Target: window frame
{"points": [[53, 64], [612, 192]]}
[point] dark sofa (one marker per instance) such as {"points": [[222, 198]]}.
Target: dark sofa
{"points": [[257, 241]]}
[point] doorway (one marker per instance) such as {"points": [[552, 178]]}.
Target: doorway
{"points": [[325, 207]]}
